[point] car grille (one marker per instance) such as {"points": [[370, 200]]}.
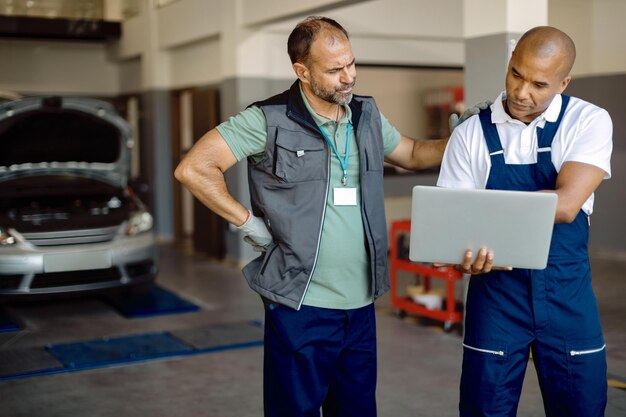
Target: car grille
{"points": [[134, 272], [139, 269], [71, 237], [60, 279], [10, 282]]}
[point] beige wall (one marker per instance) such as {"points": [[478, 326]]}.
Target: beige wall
{"points": [[399, 93], [597, 27], [35, 67]]}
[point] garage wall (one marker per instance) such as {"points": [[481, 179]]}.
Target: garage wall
{"points": [[608, 226], [225, 42], [399, 92], [36, 67]]}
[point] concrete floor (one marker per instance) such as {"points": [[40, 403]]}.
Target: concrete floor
{"points": [[419, 364]]}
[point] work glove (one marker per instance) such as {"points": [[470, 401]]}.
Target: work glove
{"points": [[256, 233], [455, 120]]}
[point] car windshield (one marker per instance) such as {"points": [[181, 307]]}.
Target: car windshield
{"points": [[58, 136]]}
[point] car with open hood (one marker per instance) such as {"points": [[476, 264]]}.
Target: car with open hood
{"points": [[69, 221]]}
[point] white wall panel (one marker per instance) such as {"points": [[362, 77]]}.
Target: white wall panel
{"points": [[130, 75], [264, 55], [57, 67], [134, 38], [187, 21], [597, 28], [489, 17], [409, 32], [609, 35], [255, 11], [195, 64], [574, 18], [408, 51]]}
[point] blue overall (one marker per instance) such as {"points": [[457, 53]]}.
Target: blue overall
{"points": [[551, 312]]}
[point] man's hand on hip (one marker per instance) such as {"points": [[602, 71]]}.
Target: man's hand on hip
{"points": [[256, 233]]}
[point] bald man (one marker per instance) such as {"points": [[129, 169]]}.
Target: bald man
{"points": [[534, 138]]}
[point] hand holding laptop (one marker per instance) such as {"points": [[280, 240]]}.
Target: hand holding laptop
{"points": [[481, 265]]}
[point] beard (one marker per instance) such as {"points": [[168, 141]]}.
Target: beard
{"points": [[337, 95]]}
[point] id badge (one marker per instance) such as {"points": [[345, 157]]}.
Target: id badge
{"points": [[344, 196]]}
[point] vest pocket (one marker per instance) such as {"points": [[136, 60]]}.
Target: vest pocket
{"points": [[299, 157]]}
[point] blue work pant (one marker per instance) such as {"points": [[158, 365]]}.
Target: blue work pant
{"points": [[319, 358]]}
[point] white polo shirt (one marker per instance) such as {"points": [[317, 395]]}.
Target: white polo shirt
{"points": [[585, 135]]}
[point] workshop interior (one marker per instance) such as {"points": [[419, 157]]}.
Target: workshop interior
{"points": [[122, 294]]}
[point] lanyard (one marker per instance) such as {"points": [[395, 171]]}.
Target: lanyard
{"points": [[344, 161]]}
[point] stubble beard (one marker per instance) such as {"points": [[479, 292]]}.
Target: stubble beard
{"points": [[334, 96]]}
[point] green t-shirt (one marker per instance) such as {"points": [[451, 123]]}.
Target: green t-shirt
{"points": [[341, 278]]}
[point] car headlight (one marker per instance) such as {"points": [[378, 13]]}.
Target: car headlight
{"points": [[139, 222], [5, 237]]}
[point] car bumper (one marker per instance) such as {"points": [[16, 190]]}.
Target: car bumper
{"points": [[27, 269]]}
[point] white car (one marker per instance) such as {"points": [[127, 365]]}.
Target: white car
{"points": [[69, 222]]}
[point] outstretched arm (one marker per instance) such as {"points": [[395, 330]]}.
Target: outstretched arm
{"points": [[416, 154]]}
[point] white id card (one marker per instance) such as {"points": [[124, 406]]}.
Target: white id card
{"points": [[344, 196]]}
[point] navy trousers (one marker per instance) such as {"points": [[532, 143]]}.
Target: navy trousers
{"points": [[319, 358]]}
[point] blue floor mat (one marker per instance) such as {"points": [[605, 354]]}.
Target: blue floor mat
{"points": [[91, 354], [156, 301], [6, 322], [103, 352]]}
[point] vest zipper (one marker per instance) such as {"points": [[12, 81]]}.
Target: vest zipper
{"points": [[586, 352], [493, 352], [319, 236], [370, 239]]}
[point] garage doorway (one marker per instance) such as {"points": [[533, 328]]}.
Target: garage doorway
{"points": [[195, 112]]}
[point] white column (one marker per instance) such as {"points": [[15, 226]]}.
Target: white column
{"points": [[491, 28]]}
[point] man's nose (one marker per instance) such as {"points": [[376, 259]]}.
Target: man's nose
{"points": [[522, 91], [347, 76]]}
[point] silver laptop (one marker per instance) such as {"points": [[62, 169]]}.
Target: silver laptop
{"points": [[515, 225]]}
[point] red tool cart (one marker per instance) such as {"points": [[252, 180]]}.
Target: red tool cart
{"points": [[449, 314]]}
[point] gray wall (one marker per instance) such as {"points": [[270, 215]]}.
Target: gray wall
{"points": [[486, 62], [156, 161], [608, 224]]}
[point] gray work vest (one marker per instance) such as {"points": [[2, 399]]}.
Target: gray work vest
{"points": [[289, 188]]}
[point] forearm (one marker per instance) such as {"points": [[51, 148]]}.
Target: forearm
{"points": [[417, 154], [202, 173], [428, 153], [209, 187], [575, 183]]}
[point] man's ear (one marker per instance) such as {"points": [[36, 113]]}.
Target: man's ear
{"points": [[565, 83], [302, 72]]}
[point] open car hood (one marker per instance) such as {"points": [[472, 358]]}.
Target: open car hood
{"points": [[55, 135]]}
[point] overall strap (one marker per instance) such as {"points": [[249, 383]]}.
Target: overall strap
{"points": [[490, 132], [545, 135]]}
